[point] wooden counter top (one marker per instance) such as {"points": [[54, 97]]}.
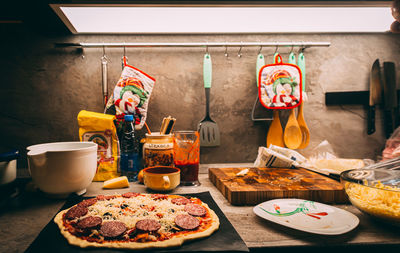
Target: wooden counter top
{"points": [[19, 225]]}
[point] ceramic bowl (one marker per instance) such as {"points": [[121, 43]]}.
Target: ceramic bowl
{"points": [[375, 192], [62, 168]]}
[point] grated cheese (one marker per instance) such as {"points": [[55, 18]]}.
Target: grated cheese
{"points": [[137, 208], [380, 200]]}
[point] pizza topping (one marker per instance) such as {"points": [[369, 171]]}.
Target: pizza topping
{"points": [[76, 212], [136, 217], [103, 197], [130, 194], [148, 208], [107, 215], [112, 229], [148, 225], [180, 201], [186, 221], [89, 222], [88, 202], [195, 210], [159, 196]]}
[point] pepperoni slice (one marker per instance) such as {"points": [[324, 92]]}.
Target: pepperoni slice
{"points": [[159, 196], [104, 197], [180, 201], [101, 197], [148, 225], [187, 221], [130, 194], [88, 202], [89, 222], [76, 212], [112, 229], [195, 210]]}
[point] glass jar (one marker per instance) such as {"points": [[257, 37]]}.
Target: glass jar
{"points": [[158, 149]]}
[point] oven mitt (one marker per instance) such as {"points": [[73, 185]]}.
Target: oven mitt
{"points": [[280, 85], [132, 93]]}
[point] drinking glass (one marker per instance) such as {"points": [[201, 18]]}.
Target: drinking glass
{"points": [[187, 156]]}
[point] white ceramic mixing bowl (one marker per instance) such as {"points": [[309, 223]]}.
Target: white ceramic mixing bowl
{"points": [[61, 168]]}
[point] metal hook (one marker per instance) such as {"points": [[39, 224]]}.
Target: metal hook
{"points": [[240, 51], [82, 52], [291, 50], [276, 48], [206, 48], [124, 58], [104, 58], [259, 51], [302, 47], [226, 51]]}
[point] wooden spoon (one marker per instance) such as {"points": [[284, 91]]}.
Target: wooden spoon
{"points": [[292, 135], [275, 133], [300, 116]]}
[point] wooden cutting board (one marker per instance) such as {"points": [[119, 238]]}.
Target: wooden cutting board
{"points": [[262, 184]]}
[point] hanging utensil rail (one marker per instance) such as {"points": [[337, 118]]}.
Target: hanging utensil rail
{"points": [[301, 44]]}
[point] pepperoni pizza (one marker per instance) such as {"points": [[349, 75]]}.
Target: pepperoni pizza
{"points": [[136, 221]]}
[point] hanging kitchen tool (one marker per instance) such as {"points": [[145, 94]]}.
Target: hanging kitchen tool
{"points": [[104, 62], [305, 132], [275, 132], [260, 62], [390, 97], [124, 59], [209, 131], [292, 135], [375, 95], [280, 88]]}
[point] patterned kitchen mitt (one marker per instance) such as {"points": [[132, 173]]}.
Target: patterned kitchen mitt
{"points": [[280, 85], [132, 93]]}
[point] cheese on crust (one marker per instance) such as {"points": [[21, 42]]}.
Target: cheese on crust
{"points": [[140, 207]]}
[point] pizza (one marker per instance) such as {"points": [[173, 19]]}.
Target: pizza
{"points": [[136, 221]]}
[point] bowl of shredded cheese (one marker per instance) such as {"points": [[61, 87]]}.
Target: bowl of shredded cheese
{"points": [[375, 192]]}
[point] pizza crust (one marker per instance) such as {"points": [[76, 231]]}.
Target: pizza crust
{"points": [[173, 242]]}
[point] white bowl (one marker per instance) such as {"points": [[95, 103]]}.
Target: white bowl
{"points": [[61, 168]]}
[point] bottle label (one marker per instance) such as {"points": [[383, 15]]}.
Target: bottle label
{"points": [[158, 146], [103, 141], [130, 162]]}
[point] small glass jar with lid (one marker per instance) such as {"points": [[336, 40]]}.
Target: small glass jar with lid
{"points": [[158, 149]]}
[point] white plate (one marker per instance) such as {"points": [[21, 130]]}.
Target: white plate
{"points": [[308, 216]]}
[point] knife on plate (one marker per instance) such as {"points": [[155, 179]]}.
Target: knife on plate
{"points": [[375, 95], [390, 97]]}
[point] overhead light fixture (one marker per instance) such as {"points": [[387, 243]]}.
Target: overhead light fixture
{"points": [[142, 19]]}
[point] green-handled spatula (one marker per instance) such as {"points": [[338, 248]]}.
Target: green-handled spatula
{"points": [[208, 129]]}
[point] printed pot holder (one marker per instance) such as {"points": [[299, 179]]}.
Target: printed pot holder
{"points": [[280, 85]]}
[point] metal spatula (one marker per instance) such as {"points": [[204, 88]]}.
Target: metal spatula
{"points": [[208, 129]]}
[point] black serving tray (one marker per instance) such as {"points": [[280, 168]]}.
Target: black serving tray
{"points": [[224, 239]]}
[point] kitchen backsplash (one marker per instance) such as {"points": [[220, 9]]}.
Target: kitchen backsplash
{"points": [[42, 88]]}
